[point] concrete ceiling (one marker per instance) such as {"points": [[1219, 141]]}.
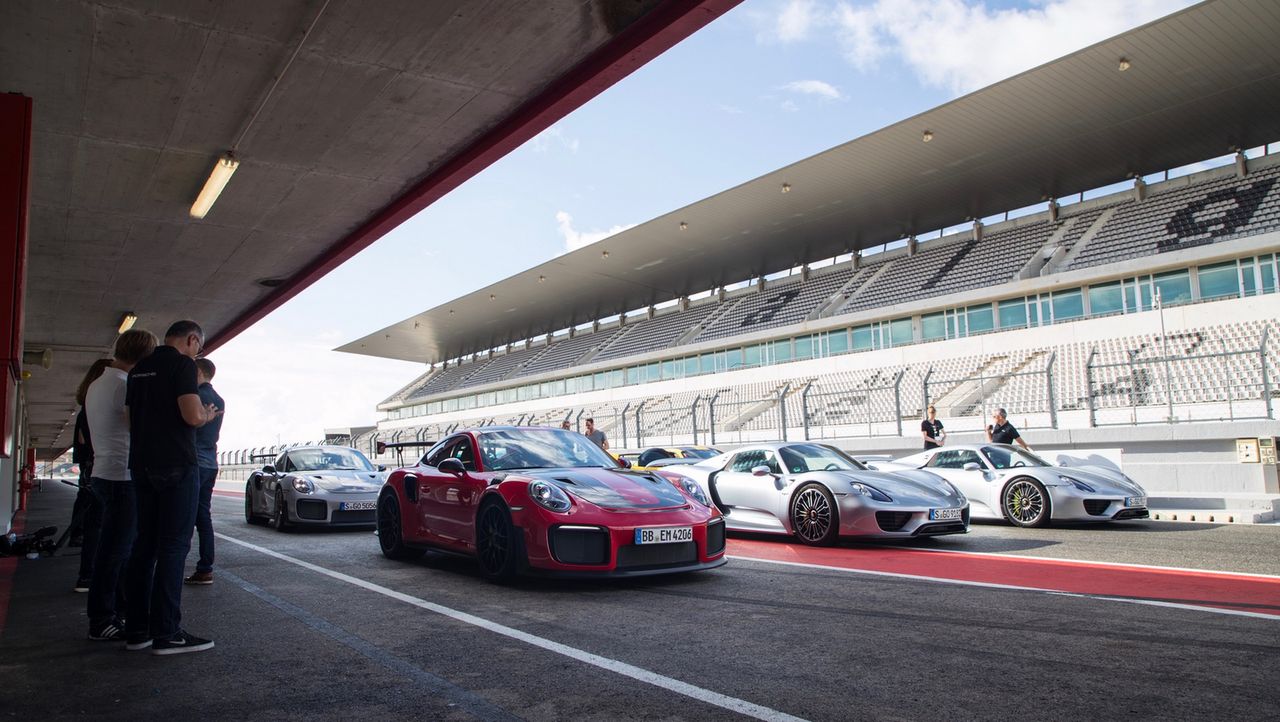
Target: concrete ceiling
{"points": [[1199, 83], [386, 106]]}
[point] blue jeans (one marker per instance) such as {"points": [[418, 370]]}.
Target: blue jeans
{"points": [[119, 526], [166, 503], [204, 518]]}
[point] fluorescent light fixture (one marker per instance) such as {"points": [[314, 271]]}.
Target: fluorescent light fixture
{"points": [[127, 321], [222, 171]]}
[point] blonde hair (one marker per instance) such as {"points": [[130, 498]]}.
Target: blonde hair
{"points": [[134, 345]]}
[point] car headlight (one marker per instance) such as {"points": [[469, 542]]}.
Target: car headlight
{"points": [[692, 488], [550, 496], [303, 485], [861, 489], [1076, 483]]}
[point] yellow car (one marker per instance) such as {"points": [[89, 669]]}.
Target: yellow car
{"points": [[656, 457]]}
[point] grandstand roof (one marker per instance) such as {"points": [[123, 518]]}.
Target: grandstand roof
{"points": [[1198, 84]]}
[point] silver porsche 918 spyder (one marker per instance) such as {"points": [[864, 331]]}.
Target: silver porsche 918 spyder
{"points": [[314, 486], [1003, 481], [818, 494]]}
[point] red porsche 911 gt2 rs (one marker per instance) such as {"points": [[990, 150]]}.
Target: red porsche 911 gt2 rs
{"points": [[546, 501]]}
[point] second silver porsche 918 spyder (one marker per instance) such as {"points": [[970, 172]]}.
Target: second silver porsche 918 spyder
{"points": [[1004, 481], [819, 494]]}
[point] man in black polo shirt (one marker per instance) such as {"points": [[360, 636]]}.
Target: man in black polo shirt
{"points": [[164, 411], [1002, 432]]}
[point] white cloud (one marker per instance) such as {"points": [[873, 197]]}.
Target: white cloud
{"points": [[730, 109], [788, 106], [542, 142], [795, 20], [575, 239], [962, 46], [826, 91], [286, 386]]}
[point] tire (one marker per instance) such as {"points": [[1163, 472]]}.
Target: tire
{"points": [[498, 544], [249, 516], [390, 530], [815, 521], [280, 519], [1024, 502]]}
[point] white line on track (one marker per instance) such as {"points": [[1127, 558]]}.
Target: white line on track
{"points": [[640, 674], [1090, 562], [1014, 587]]}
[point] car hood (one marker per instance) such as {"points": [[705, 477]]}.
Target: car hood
{"points": [[912, 487], [1105, 481], [343, 482], [610, 489]]}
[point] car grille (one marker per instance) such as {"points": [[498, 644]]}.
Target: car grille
{"points": [[946, 527], [715, 537], [656, 556], [363, 516], [312, 509], [579, 545], [1096, 507], [1132, 514], [892, 520]]}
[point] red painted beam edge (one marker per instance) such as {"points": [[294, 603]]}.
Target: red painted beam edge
{"points": [[642, 41]]}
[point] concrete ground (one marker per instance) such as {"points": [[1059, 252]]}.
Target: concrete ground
{"points": [[318, 625]]}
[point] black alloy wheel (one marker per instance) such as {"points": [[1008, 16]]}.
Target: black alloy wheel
{"points": [[390, 534], [249, 516], [814, 518], [497, 543], [280, 520]]}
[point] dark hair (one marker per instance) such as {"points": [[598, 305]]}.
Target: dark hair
{"points": [[90, 376], [591, 421], [182, 329], [206, 367], [134, 345]]}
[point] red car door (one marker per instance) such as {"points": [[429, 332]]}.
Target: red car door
{"points": [[458, 496], [431, 484]]}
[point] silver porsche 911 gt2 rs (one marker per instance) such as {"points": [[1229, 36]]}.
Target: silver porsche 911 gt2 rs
{"points": [[314, 486]]}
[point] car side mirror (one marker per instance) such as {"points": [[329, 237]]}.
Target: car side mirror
{"points": [[269, 469], [760, 471], [452, 466], [972, 466], [624, 463], [382, 467]]}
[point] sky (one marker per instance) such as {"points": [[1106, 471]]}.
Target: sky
{"points": [[766, 85]]}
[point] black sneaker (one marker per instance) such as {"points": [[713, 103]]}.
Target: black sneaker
{"points": [[137, 642], [112, 631], [180, 643], [82, 585]]}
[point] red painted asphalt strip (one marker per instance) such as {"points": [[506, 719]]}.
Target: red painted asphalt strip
{"points": [[1221, 590], [8, 566]]}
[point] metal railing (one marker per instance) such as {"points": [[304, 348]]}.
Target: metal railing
{"points": [[1011, 383]]}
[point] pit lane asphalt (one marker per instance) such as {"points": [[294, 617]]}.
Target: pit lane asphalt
{"points": [[294, 643]]}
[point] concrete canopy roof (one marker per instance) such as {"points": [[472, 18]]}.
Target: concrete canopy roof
{"points": [[1199, 83], [384, 108]]}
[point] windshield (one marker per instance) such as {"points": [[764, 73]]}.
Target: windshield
{"points": [[696, 452], [800, 458], [509, 449], [329, 460], [1008, 457]]}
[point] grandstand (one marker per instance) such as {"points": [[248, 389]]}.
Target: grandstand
{"points": [[1147, 304]]}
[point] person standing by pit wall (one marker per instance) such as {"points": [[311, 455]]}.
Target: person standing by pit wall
{"points": [[207, 462]]}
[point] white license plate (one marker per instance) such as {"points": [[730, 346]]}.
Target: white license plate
{"points": [[664, 535], [1138, 501], [357, 505], [944, 514]]}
